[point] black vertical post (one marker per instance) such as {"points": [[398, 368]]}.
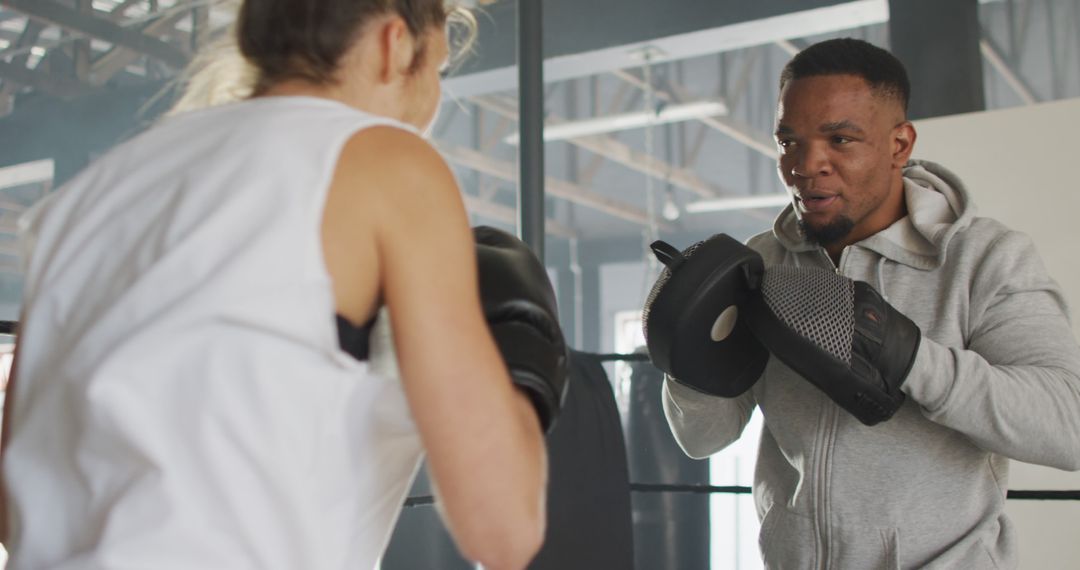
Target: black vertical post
{"points": [[531, 124], [564, 289], [590, 318], [920, 32]]}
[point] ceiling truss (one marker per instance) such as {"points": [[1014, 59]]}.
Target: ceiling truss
{"points": [[68, 48]]}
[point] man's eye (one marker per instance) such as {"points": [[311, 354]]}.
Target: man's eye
{"points": [[785, 143], [840, 140]]}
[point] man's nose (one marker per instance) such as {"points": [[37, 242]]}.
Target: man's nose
{"points": [[810, 161]]}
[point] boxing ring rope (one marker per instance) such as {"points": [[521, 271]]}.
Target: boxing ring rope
{"points": [[739, 490], [420, 500], [9, 327], [710, 489], [639, 487]]}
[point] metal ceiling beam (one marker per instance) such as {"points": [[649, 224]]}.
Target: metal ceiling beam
{"points": [[589, 171], [621, 153], [737, 92], [28, 39], [680, 28], [116, 59], [56, 85], [120, 9], [744, 134], [506, 170], [788, 46], [740, 132], [54, 13], [1012, 78], [29, 36], [508, 215], [80, 48], [690, 153]]}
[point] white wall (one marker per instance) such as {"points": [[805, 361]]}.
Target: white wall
{"points": [[1021, 167]]}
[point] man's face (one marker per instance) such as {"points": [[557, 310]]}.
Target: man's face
{"points": [[841, 149]]}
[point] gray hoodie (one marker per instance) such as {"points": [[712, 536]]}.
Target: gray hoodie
{"points": [[997, 376]]}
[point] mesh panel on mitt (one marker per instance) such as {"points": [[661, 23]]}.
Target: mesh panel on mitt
{"points": [[816, 303]]}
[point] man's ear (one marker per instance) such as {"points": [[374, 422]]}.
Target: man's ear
{"points": [[398, 46], [903, 143]]}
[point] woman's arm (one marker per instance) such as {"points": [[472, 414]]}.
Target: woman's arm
{"points": [[485, 450]]}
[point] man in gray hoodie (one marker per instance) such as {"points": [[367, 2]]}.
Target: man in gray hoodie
{"points": [[996, 375]]}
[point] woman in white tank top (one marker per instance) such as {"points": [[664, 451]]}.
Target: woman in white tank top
{"points": [[181, 398]]}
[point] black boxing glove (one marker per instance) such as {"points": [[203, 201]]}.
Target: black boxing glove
{"points": [[692, 320], [519, 305], [839, 334]]}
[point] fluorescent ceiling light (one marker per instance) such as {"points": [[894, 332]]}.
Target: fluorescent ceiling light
{"points": [[627, 121], [740, 203], [26, 173]]}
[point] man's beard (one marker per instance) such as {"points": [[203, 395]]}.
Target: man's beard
{"points": [[829, 233]]}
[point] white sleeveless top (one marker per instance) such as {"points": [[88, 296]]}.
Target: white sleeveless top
{"points": [[181, 399]]}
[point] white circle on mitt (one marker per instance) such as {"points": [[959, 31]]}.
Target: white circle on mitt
{"points": [[724, 324]]}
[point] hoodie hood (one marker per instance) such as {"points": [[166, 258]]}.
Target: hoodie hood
{"points": [[938, 207]]}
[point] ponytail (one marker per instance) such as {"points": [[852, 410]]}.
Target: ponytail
{"points": [[219, 74]]}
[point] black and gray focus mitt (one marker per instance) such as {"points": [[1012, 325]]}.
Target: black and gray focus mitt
{"points": [[839, 334], [714, 311], [693, 326]]}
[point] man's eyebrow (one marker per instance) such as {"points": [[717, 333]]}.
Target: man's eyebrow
{"points": [[783, 130], [844, 125]]}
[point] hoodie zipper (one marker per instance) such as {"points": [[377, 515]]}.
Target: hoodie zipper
{"points": [[823, 498], [843, 257], [824, 457]]}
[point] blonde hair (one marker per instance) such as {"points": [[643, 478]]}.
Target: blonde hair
{"points": [[220, 73]]}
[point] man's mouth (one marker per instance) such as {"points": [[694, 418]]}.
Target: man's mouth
{"points": [[816, 202]]}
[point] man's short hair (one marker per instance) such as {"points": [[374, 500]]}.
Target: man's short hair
{"points": [[849, 56]]}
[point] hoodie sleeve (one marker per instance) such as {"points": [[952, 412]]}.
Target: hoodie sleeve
{"points": [[704, 424], [1015, 389]]}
